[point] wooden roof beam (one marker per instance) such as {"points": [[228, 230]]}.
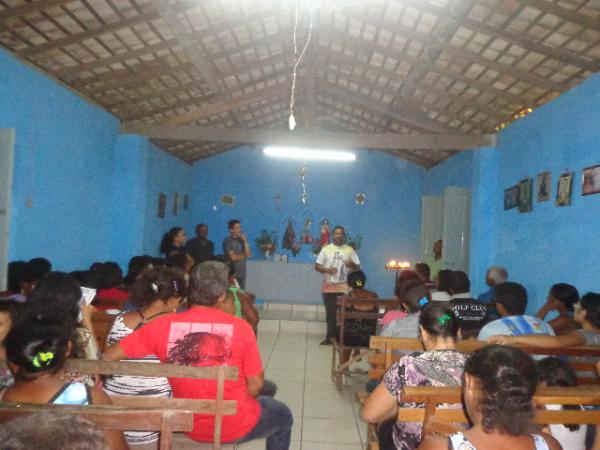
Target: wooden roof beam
{"points": [[30, 8], [564, 13], [426, 142]]}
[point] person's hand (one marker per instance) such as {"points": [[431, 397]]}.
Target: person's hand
{"points": [[332, 270], [350, 264], [243, 238], [502, 340]]}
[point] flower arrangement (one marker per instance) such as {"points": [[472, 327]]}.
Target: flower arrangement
{"points": [[266, 242]]}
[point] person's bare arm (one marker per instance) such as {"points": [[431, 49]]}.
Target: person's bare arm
{"points": [[322, 269], [545, 309], [247, 251], [114, 353], [255, 384], [235, 257], [536, 340], [379, 406], [351, 265], [115, 439], [561, 325]]}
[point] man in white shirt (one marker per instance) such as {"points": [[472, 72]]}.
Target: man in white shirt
{"points": [[334, 262]]}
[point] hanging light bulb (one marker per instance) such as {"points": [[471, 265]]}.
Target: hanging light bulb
{"points": [[292, 122]]}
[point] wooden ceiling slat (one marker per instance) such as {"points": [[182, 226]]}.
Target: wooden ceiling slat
{"points": [[568, 14], [30, 8]]}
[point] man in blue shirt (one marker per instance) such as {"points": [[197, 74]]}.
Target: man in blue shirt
{"points": [[495, 275], [511, 303]]}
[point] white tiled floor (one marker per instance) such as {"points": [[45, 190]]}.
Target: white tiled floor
{"points": [[324, 419]]}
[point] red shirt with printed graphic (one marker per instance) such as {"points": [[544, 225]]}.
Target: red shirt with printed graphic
{"points": [[204, 336]]}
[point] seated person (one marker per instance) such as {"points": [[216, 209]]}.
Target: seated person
{"points": [[156, 292], [51, 430], [440, 365], [14, 279], [561, 299], [239, 302], [109, 281], [357, 332], [8, 314], [441, 284], [495, 275], [181, 261], [499, 383], [511, 303], [556, 372], [587, 314], [424, 273], [404, 323], [206, 336], [472, 315], [36, 349]]}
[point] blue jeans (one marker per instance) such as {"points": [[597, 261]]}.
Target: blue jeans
{"points": [[275, 424]]}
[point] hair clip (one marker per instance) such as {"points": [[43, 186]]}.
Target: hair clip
{"points": [[359, 283], [443, 319], [154, 288], [423, 301], [175, 286], [42, 359]]}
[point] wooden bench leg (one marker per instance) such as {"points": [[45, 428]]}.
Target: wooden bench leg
{"points": [[166, 432]]}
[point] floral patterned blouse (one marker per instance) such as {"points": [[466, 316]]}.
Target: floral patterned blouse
{"points": [[433, 368]]}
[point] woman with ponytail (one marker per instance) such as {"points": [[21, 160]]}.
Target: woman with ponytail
{"points": [[173, 242], [440, 365], [36, 349], [156, 293], [498, 388]]}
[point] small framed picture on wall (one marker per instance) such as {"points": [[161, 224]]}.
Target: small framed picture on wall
{"points": [[544, 186], [162, 205], [525, 195], [175, 204], [511, 197], [591, 180], [563, 190]]}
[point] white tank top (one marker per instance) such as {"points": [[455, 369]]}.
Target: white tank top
{"points": [[459, 441]]}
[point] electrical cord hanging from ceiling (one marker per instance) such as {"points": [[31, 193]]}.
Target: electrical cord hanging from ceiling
{"points": [[292, 120]]}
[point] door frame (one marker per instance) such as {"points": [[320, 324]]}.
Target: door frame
{"points": [[7, 145]]}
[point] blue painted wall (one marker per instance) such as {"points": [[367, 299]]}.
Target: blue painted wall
{"points": [[551, 244], [81, 192], [389, 221]]}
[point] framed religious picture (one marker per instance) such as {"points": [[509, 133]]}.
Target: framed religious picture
{"points": [[511, 197], [175, 204], [162, 205], [563, 190], [544, 183], [186, 202], [228, 199], [591, 180], [525, 204]]}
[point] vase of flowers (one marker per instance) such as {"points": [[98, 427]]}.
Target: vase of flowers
{"points": [[266, 242]]}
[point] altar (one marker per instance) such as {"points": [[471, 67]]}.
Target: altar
{"points": [[284, 282]]}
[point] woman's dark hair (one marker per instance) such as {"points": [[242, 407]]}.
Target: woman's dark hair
{"points": [[405, 277], [438, 319], [37, 343], [85, 278], [459, 282], [167, 239], [566, 294], [357, 279], [591, 303], [15, 275], [41, 266], [11, 307], [162, 283], [58, 291], [414, 295], [135, 266], [444, 280], [178, 261], [508, 379], [109, 275], [557, 372]]}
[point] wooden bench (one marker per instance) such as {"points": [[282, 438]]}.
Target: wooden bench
{"points": [[339, 366], [387, 350], [166, 415]]}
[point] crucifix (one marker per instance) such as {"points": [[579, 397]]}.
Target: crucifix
{"points": [[277, 199]]}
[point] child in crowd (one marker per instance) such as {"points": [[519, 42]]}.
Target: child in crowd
{"points": [[36, 349], [404, 323], [156, 293], [557, 372]]}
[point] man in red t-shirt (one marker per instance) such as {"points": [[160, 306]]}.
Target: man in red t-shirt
{"points": [[206, 336]]}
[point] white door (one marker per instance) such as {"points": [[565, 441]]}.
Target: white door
{"points": [[431, 223], [7, 141], [457, 229]]}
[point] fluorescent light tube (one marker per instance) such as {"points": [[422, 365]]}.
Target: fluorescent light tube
{"points": [[307, 154]]}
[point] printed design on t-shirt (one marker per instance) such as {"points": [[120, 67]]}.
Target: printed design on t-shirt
{"points": [[199, 343], [340, 265]]}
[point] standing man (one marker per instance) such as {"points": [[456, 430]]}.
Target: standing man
{"points": [[237, 251], [435, 261], [334, 262], [200, 248]]}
